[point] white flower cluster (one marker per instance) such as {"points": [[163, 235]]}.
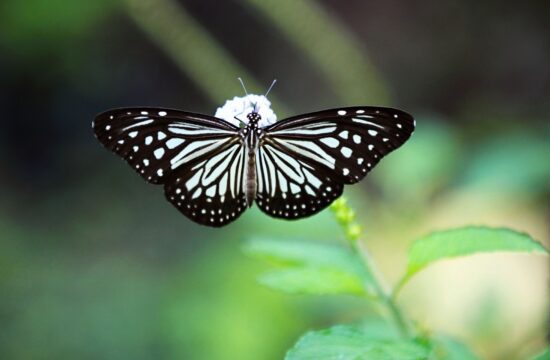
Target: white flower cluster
{"points": [[241, 106]]}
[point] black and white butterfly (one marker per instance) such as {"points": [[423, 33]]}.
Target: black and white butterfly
{"points": [[212, 170]]}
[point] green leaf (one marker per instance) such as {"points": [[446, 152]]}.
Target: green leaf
{"points": [[345, 342], [466, 241], [292, 252], [313, 280], [447, 348], [545, 355], [311, 267]]}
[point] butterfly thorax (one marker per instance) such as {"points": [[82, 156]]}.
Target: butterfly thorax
{"points": [[251, 134]]}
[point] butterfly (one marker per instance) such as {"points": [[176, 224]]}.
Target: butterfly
{"points": [[212, 169]]}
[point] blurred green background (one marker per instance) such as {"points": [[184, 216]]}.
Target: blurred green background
{"points": [[95, 264]]}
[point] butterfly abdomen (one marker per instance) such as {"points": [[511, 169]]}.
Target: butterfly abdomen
{"points": [[251, 184], [251, 134]]}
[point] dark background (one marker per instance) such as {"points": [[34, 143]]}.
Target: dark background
{"points": [[95, 264]]}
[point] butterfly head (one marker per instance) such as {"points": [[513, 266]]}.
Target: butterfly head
{"points": [[241, 111], [253, 117]]}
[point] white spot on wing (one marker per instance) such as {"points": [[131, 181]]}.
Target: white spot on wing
{"points": [[373, 132], [172, 143], [346, 151], [159, 153], [341, 112], [357, 139], [344, 134], [197, 193], [211, 191], [331, 142], [162, 113]]}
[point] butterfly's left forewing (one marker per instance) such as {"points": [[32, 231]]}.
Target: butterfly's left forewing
{"points": [[199, 158], [304, 161]]}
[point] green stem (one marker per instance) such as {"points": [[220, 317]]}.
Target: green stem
{"points": [[345, 217], [384, 296], [397, 288]]}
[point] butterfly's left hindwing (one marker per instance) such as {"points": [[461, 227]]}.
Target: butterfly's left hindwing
{"points": [[304, 161], [191, 154], [211, 192], [291, 188]]}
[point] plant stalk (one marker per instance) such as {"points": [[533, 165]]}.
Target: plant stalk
{"points": [[345, 216], [384, 296]]}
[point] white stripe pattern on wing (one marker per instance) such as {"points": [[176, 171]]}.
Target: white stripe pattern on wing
{"points": [[195, 149], [309, 149]]}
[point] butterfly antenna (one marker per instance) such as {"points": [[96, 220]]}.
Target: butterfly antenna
{"points": [[268, 90], [242, 84]]}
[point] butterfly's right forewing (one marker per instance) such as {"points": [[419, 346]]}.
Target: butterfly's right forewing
{"points": [[199, 158]]}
